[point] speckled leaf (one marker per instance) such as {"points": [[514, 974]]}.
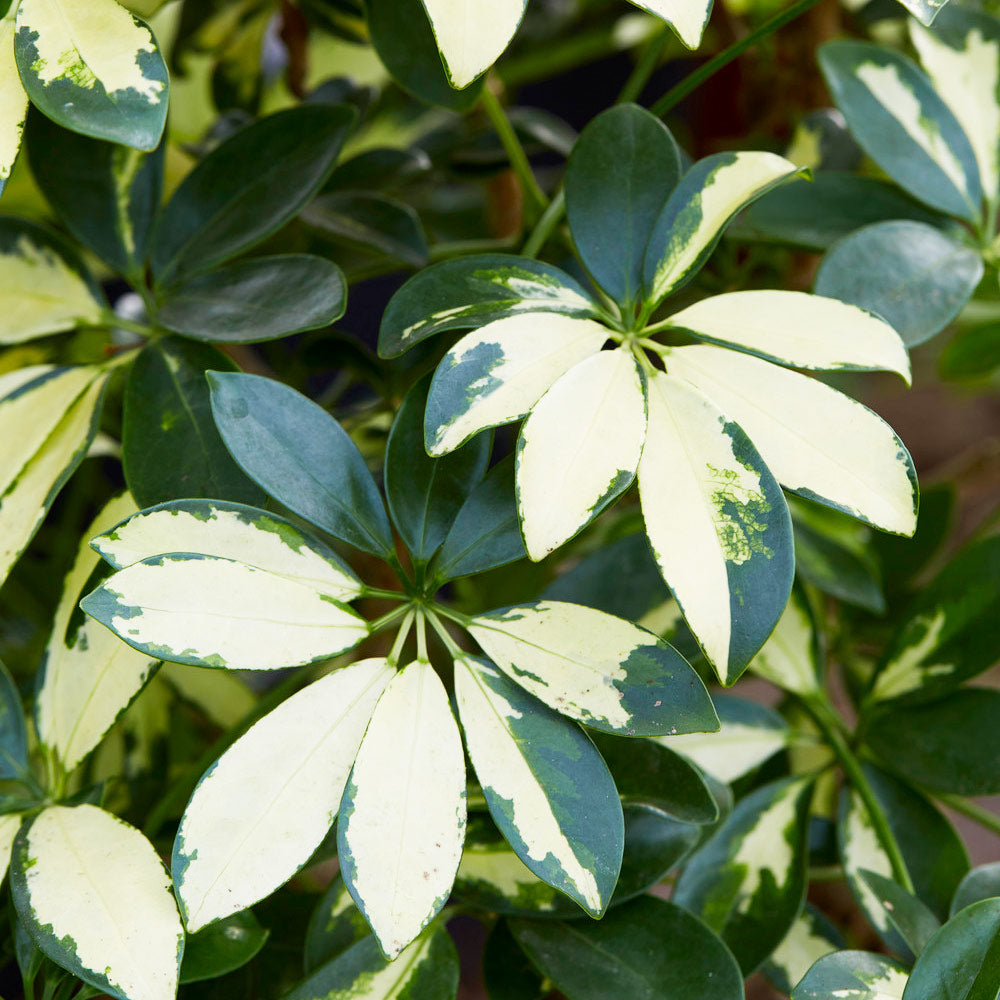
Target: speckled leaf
{"points": [[336, 923], [809, 939], [579, 448], [863, 469], [717, 523], [698, 210], [93, 67], [598, 669], [261, 810], [915, 923], [214, 612], [852, 975], [13, 99], [547, 788], [905, 127], [94, 896], [471, 291], [791, 656], [401, 828], [748, 882], [499, 372], [982, 882]]}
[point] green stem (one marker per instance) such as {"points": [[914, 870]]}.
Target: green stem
{"points": [[422, 635], [108, 318], [551, 218], [973, 810], [401, 636], [389, 617], [389, 595], [644, 68], [694, 80], [515, 151], [442, 632], [831, 727]]}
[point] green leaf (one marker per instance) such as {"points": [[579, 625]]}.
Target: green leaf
{"points": [[279, 786], [810, 938], [903, 125], [425, 494], [698, 210], [748, 882], [13, 732], [107, 195], [470, 292], [852, 975], [256, 299], [13, 99], [222, 208], [961, 961], [384, 167], [336, 923], [914, 922], [621, 172], [971, 353], [791, 656], [302, 457], [170, 446], [980, 883], [96, 70], [95, 897], [602, 671], [507, 972], [485, 533], [649, 949], [909, 273], [44, 286], [213, 612], [547, 788], [717, 523], [224, 947], [949, 745]]}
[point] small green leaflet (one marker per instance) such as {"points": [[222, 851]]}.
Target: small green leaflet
{"points": [[852, 975], [908, 915]]}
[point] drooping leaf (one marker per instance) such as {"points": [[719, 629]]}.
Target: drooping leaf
{"points": [[336, 923], [810, 938], [791, 656], [13, 99], [913, 921], [261, 810], [852, 975], [223, 947], [93, 68], [95, 897], [982, 882]]}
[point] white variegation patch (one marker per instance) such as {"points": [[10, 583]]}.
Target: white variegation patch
{"points": [[402, 820], [229, 531], [13, 99], [687, 17], [798, 329], [968, 80], [860, 848], [767, 847], [802, 947], [89, 42], [486, 720], [735, 750], [262, 809], [814, 439], [788, 658], [221, 613], [472, 35], [10, 823], [910, 669], [97, 888], [579, 448], [89, 676], [511, 363]]}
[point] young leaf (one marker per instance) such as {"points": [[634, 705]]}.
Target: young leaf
{"points": [[810, 938], [595, 668], [910, 917], [579, 448], [852, 975], [980, 883], [862, 469], [498, 373], [748, 882], [402, 823], [256, 299], [302, 457], [336, 923], [717, 523], [95, 897], [791, 656], [898, 118], [222, 948], [547, 788], [13, 99], [621, 172], [261, 810], [470, 292], [222, 208], [95, 69]]}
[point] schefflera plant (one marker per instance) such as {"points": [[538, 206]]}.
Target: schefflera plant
{"points": [[375, 744], [710, 429]]}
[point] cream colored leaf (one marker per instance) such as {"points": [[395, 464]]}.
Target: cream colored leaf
{"points": [[13, 99], [688, 18]]}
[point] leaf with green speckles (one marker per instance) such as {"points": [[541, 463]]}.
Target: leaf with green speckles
{"points": [[595, 668], [547, 788], [93, 67], [852, 975]]}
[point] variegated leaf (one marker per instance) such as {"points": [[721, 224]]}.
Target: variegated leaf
{"points": [[94, 68], [717, 523], [547, 788], [13, 99], [10, 823], [213, 612], [598, 669], [497, 373], [89, 677], [798, 330], [579, 448], [791, 656], [692, 220], [94, 895], [402, 818], [688, 18], [817, 441], [46, 426], [230, 531], [811, 937], [471, 35], [263, 808], [852, 975]]}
